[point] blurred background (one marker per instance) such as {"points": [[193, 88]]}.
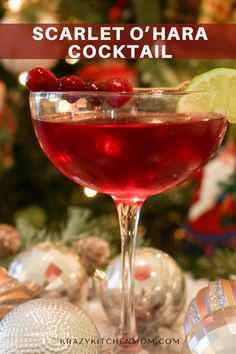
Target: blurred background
{"points": [[32, 190]]}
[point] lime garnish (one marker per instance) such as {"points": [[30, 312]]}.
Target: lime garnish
{"points": [[213, 91]]}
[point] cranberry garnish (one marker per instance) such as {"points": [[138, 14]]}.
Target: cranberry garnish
{"points": [[70, 83], [97, 86], [118, 85], [41, 79]]}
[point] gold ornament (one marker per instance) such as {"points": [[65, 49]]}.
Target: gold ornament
{"points": [[12, 293], [9, 240], [93, 252], [55, 268]]}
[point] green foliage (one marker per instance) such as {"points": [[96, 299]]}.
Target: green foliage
{"points": [[221, 265], [147, 12], [230, 187], [81, 223]]}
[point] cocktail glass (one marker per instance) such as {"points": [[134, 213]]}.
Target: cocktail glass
{"points": [[129, 146]]}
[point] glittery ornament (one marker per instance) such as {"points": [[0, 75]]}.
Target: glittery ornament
{"points": [[12, 293], [48, 326], [210, 324], [93, 252], [159, 290], [9, 240], [55, 268]]}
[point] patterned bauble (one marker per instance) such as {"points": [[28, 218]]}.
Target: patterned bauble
{"points": [[159, 290], [48, 326], [12, 293], [56, 268], [210, 324], [9, 240], [93, 252]]}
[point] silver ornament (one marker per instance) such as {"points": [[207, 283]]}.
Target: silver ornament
{"points": [[210, 323], [46, 326], [55, 268], [159, 290]]}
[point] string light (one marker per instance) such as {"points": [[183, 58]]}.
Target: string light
{"points": [[90, 193], [15, 5], [72, 61], [22, 78]]}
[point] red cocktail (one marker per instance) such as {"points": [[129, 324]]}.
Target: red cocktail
{"points": [[130, 151], [130, 158]]}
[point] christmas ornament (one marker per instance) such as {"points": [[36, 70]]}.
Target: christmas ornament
{"points": [[210, 324], [55, 268], [210, 205], [93, 252], [9, 240], [106, 70], [159, 290], [116, 10], [12, 293], [48, 326]]}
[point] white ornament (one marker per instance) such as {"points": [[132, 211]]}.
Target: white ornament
{"points": [[48, 326]]}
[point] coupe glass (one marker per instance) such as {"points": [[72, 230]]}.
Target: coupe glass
{"points": [[129, 146]]}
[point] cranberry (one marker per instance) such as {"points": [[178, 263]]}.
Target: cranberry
{"points": [[118, 85], [98, 86], [41, 79], [70, 83]]}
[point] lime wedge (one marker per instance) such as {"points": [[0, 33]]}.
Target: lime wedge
{"points": [[216, 92]]}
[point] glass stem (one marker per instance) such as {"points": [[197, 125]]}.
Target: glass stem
{"points": [[128, 218]]}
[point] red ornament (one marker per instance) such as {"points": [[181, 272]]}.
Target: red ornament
{"points": [[115, 13], [108, 69]]}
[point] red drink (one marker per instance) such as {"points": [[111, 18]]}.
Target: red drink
{"points": [[130, 159]]}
